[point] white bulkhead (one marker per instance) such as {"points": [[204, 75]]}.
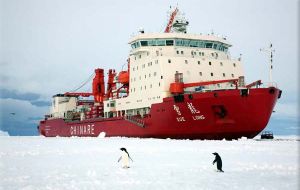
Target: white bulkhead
{"points": [[62, 105], [155, 58]]}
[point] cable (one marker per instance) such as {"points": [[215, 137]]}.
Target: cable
{"points": [[90, 77]]}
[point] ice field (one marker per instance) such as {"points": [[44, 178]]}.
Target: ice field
{"points": [[91, 163]]}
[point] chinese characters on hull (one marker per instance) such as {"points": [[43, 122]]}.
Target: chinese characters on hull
{"points": [[194, 112]]}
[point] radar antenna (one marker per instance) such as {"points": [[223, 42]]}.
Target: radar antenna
{"points": [[269, 51]]}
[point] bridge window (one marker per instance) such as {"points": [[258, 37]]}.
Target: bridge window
{"points": [[215, 46], [186, 42], [161, 42], [181, 42], [169, 42], [151, 43], [144, 43], [208, 45], [194, 43]]}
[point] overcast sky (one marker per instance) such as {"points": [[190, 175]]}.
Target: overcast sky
{"points": [[52, 46]]}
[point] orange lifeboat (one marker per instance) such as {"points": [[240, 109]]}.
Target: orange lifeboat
{"points": [[124, 77]]}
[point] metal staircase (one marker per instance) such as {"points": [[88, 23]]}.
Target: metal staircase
{"points": [[137, 121]]}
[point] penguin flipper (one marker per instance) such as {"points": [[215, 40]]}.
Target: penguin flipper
{"points": [[130, 158]]}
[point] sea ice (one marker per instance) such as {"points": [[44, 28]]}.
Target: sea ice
{"points": [[92, 163]]}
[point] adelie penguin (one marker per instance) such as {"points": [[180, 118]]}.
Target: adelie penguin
{"points": [[219, 161], [125, 158]]}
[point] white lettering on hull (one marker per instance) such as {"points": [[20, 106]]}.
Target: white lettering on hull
{"points": [[180, 119], [82, 130], [176, 108], [193, 111], [192, 108], [198, 117]]}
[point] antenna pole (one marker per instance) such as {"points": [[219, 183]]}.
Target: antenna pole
{"points": [[269, 51]]}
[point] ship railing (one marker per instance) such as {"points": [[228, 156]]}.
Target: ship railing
{"points": [[271, 84], [135, 120], [266, 85]]}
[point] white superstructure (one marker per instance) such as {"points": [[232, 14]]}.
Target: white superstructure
{"points": [[62, 105], [155, 58]]}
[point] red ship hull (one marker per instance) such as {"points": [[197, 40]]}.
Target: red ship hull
{"points": [[228, 114]]}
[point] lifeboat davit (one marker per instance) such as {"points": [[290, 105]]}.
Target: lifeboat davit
{"points": [[123, 77]]}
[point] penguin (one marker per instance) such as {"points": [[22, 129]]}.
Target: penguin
{"points": [[219, 161], [125, 158]]}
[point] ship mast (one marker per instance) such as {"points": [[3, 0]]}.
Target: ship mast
{"points": [[171, 20], [269, 51], [177, 22]]}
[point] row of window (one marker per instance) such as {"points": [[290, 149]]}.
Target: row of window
{"points": [[181, 42], [143, 87], [212, 74], [149, 75], [144, 65], [141, 100], [178, 52], [199, 63]]}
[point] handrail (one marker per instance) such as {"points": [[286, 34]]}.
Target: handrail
{"points": [[135, 120]]}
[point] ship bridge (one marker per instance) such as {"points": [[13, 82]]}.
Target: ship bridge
{"points": [[180, 40]]}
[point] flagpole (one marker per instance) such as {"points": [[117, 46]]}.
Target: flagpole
{"points": [[270, 51]]}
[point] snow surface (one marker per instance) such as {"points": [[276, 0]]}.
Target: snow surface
{"points": [[91, 163]]}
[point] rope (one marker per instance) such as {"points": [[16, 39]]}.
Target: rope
{"points": [[90, 77]]}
